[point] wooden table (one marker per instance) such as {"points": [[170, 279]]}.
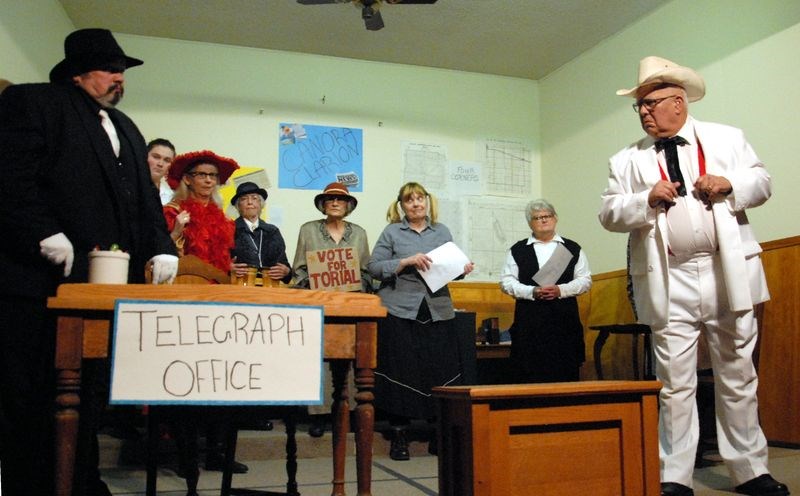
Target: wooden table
{"points": [[592, 437], [494, 364], [85, 312], [492, 351]]}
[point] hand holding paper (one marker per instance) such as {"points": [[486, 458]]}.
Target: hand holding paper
{"points": [[420, 261], [447, 263]]}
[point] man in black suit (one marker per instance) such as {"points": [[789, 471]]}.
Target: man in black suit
{"points": [[72, 179]]}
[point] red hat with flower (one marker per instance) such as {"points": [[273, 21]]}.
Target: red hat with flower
{"points": [[185, 162]]}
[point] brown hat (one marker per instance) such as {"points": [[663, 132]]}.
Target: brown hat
{"points": [[335, 189], [90, 49], [183, 163], [655, 70]]}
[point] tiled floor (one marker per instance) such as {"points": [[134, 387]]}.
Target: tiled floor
{"points": [[415, 477]]}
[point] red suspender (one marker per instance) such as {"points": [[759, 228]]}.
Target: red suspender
{"points": [[701, 159]]}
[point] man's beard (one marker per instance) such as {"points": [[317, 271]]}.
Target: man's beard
{"points": [[113, 95]]}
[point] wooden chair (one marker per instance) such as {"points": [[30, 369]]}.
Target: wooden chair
{"points": [[192, 270]]}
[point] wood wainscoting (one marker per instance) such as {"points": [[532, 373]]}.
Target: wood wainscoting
{"points": [[779, 350], [607, 303]]}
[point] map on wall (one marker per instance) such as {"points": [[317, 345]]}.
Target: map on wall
{"points": [[311, 157], [425, 163], [507, 168], [482, 202], [493, 225]]}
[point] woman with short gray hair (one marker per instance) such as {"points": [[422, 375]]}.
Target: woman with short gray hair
{"points": [[545, 273]]}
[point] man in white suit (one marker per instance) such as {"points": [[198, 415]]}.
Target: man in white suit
{"points": [[681, 192]]}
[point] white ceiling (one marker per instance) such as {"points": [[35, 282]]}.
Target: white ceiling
{"points": [[518, 38]]}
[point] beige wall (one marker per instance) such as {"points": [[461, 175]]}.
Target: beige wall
{"points": [[31, 38], [211, 96], [231, 99], [747, 53]]}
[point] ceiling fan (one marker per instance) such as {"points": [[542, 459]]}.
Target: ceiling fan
{"points": [[369, 8]]}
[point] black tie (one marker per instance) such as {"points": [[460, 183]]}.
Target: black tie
{"points": [[670, 147]]}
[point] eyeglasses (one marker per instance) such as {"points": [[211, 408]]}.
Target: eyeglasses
{"points": [[203, 175], [650, 104], [341, 199], [540, 218]]}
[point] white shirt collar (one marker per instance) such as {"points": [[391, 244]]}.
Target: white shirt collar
{"points": [[556, 238], [687, 131], [251, 225]]}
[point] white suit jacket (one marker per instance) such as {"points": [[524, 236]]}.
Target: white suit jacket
{"points": [[634, 171]]}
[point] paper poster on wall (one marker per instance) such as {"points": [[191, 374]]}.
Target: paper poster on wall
{"points": [[243, 174], [311, 157], [507, 167], [425, 163], [214, 353], [464, 178], [336, 269]]}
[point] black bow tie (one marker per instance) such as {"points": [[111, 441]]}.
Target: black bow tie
{"points": [[670, 147], [677, 140]]}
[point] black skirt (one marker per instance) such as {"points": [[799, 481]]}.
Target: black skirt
{"points": [[413, 358]]}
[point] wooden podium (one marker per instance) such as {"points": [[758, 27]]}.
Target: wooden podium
{"points": [[596, 437], [84, 322]]}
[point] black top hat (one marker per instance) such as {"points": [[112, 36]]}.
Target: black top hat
{"points": [[90, 49], [247, 188]]}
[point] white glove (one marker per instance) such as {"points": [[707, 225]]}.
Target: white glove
{"points": [[165, 268], [58, 249]]}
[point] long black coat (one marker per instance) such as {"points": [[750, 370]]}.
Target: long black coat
{"points": [[273, 248], [58, 174]]}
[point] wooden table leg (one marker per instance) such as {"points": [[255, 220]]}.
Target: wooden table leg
{"points": [[151, 457], [290, 421], [366, 361], [340, 417], [69, 353]]}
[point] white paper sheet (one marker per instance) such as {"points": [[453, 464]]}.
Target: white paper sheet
{"points": [[448, 263]]}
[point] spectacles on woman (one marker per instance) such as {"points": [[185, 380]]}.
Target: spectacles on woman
{"points": [[203, 175]]}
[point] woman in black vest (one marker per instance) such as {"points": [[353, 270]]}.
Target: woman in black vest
{"points": [[545, 273]]}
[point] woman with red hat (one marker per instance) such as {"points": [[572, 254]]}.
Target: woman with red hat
{"points": [[194, 215], [199, 227]]}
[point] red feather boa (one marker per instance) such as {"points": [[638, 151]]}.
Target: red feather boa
{"points": [[208, 235]]}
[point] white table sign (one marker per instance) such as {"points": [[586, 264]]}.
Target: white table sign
{"points": [[214, 353]]}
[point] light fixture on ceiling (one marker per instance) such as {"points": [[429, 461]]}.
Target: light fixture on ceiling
{"points": [[370, 9], [371, 15]]}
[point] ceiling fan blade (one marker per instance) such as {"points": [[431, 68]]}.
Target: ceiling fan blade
{"points": [[411, 1], [317, 2], [375, 22]]}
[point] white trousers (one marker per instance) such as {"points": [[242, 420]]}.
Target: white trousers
{"points": [[698, 308]]}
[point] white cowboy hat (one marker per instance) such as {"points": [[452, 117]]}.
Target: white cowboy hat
{"points": [[655, 70]]}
